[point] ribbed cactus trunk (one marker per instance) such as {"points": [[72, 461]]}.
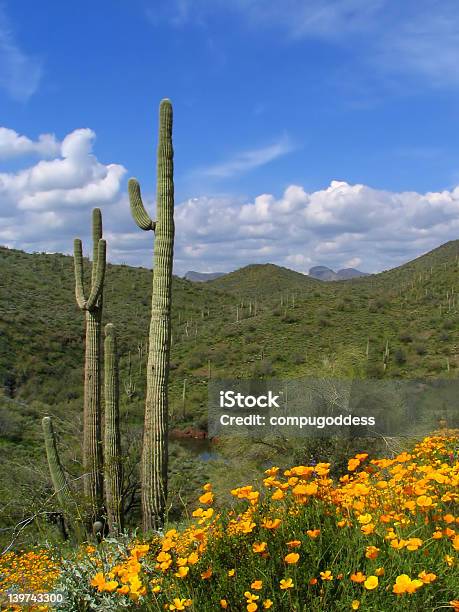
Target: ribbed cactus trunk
{"points": [[112, 439], [154, 463], [92, 436]]}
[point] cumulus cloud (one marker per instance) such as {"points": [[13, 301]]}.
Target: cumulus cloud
{"points": [[74, 179], [42, 206], [340, 226], [20, 73], [13, 144]]}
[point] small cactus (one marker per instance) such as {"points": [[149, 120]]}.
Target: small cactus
{"points": [[112, 441], [56, 471]]}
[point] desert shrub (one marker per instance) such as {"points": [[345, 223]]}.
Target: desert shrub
{"points": [[399, 356], [420, 349], [405, 337]]}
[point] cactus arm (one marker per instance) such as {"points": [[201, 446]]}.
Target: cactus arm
{"points": [[139, 214], [78, 263], [98, 284]]}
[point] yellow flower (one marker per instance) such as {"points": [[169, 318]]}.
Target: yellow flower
{"points": [[371, 552], [305, 489], [353, 464], [259, 547], [193, 558], [182, 571], [257, 585], [449, 560], [271, 523], [111, 586], [286, 583], [179, 604], [424, 501], [251, 596], [98, 581], [358, 577], [371, 583], [327, 575], [252, 606], [231, 572], [206, 574], [313, 533], [404, 584], [379, 571], [456, 543], [223, 604], [427, 578], [413, 543], [364, 519], [267, 604], [206, 498], [292, 558], [355, 605]]}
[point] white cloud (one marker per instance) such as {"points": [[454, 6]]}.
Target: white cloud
{"points": [[353, 262], [246, 160], [340, 226], [75, 179], [20, 73], [41, 205], [13, 144]]}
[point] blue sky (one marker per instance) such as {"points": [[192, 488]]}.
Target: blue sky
{"points": [[319, 132]]}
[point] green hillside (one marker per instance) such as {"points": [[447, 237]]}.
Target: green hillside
{"points": [[296, 323]]}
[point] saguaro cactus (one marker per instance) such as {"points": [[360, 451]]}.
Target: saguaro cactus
{"points": [[154, 462], [112, 441], [66, 520], [92, 442], [56, 471]]}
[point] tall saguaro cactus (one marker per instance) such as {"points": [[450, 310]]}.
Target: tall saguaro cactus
{"points": [[154, 463], [92, 306], [112, 441]]}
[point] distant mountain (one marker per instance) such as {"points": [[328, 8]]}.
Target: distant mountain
{"points": [[327, 274], [202, 277], [323, 273], [346, 273]]}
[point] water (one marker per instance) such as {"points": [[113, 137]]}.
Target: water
{"points": [[201, 448]]}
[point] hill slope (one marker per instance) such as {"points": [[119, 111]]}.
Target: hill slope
{"points": [[298, 322], [264, 280]]}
